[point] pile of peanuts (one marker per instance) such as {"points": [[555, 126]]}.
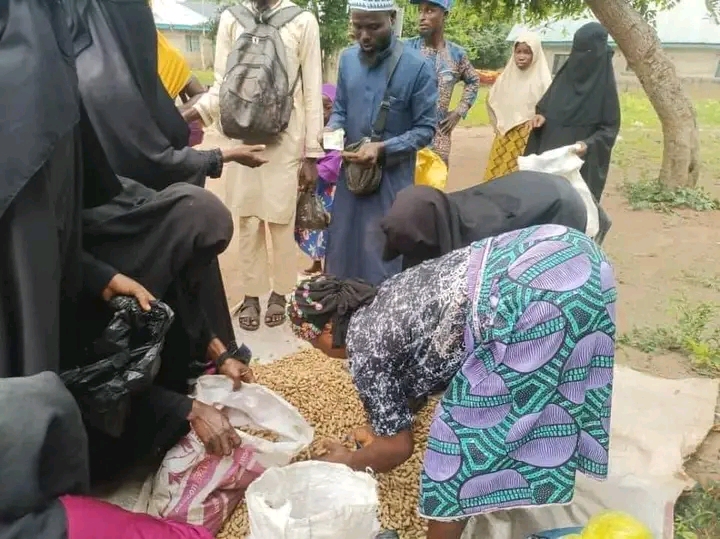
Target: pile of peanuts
{"points": [[322, 390]]}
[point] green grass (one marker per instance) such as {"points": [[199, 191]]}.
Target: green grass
{"points": [[653, 195], [693, 335], [205, 77], [697, 513], [703, 281]]}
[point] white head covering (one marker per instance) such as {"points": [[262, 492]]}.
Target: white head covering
{"points": [[371, 5], [516, 92]]}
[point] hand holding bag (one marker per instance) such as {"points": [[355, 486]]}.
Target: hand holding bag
{"points": [[363, 180]]}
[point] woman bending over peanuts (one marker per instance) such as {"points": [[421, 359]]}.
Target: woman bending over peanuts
{"points": [[518, 330]]}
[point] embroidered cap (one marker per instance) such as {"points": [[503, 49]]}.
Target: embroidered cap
{"points": [[371, 5], [445, 4]]}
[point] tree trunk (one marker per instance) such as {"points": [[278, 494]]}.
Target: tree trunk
{"points": [[641, 46]]}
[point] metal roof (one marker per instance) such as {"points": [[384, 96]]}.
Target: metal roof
{"points": [[208, 8], [687, 24], [178, 15]]}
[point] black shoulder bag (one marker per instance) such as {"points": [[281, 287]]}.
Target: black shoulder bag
{"points": [[363, 180]]}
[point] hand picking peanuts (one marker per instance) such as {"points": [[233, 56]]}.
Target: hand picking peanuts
{"points": [[321, 389]]}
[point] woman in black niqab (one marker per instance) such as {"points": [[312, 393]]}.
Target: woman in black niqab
{"points": [[425, 223], [138, 127], [582, 106]]}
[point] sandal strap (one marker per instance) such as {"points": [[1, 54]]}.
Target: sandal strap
{"points": [[278, 300]]}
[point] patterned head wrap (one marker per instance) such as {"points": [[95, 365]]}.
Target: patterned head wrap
{"points": [[371, 5], [322, 299]]}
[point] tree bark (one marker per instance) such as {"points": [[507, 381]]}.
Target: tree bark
{"points": [[641, 46]]}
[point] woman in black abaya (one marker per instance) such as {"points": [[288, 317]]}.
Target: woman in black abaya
{"points": [[140, 130], [425, 223], [582, 107], [41, 187]]}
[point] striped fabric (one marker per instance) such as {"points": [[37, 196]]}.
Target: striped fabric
{"points": [[172, 67]]}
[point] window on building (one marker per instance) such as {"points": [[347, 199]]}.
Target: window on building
{"points": [[559, 61], [192, 43], [717, 70]]}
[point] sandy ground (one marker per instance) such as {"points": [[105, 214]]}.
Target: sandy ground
{"points": [[653, 255]]}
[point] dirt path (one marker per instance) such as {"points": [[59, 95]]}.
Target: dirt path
{"points": [[657, 258]]}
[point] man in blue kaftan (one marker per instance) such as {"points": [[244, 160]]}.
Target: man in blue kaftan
{"points": [[355, 239]]}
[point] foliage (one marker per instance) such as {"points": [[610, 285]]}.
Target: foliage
{"points": [[697, 513], [653, 195], [692, 336], [215, 21], [480, 33], [332, 15]]}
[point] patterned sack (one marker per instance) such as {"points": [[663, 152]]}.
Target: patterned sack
{"points": [[202, 489]]}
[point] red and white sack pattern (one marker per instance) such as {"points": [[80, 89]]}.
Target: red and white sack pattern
{"points": [[196, 488]]}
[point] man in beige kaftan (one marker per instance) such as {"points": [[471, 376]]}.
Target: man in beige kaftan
{"points": [[267, 195]]}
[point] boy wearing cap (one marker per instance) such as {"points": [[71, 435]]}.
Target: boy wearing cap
{"points": [[452, 66], [355, 240]]}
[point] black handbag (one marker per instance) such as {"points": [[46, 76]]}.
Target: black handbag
{"points": [[361, 180], [310, 214]]}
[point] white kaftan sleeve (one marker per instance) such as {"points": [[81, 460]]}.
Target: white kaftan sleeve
{"points": [[311, 71]]}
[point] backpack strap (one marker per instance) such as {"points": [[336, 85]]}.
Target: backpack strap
{"points": [[379, 126], [283, 16], [244, 16], [280, 18]]}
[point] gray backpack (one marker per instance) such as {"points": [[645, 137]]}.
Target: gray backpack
{"points": [[256, 97]]}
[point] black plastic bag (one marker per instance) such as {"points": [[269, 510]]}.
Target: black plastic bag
{"points": [[122, 362], [311, 214]]}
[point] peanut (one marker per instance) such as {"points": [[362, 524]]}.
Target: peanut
{"points": [[322, 390]]}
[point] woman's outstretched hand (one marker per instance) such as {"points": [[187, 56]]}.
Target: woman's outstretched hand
{"points": [[122, 285], [214, 429], [249, 156]]}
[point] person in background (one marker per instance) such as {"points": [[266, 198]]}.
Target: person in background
{"points": [[511, 104], [520, 329], [312, 242], [355, 240], [452, 66], [265, 199], [582, 107], [425, 223]]}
